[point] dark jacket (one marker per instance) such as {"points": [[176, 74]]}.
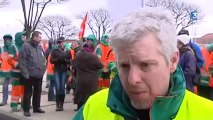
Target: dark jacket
{"points": [[86, 65], [32, 60], [61, 59], [188, 65]]}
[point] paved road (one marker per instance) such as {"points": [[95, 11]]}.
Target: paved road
{"points": [[49, 107]]}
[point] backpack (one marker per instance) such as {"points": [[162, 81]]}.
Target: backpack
{"points": [[197, 52]]}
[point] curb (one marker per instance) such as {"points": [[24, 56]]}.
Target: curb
{"points": [[9, 116]]}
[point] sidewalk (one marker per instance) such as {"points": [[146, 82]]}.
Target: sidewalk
{"points": [[49, 108]]}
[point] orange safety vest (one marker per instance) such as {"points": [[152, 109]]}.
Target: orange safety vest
{"points": [[4, 60], [208, 61], [72, 53], [50, 67], [105, 57]]}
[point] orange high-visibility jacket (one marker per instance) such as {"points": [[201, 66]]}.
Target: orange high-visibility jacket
{"points": [[105, 57], [50, 67], [208, 62], [5, 68], [72, 53]]}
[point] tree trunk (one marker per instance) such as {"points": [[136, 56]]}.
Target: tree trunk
{"points": [[99, 34]]}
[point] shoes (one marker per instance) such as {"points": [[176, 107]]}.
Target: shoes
{"points": [[57, 108], [27, 114], [3, 104], [38, 110], [47, 86], [61, 108]]}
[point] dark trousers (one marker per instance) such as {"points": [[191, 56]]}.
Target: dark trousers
{"points": [[32, 87], [51, 94]]}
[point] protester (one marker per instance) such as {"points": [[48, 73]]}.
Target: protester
{"points": [[71, 83], [187, 59], [149, 84], [50, 72], [32, 65], [205, 88], [50, 78], [102, 51], [68, 84], [5, 66], [60, 57], [17, 86], [47, 53], [87, 65]]}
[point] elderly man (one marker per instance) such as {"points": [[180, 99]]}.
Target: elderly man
{"points": [[150, 84]]}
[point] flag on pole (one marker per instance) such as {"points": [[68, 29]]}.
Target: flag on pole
{"points": [[83, 26]]}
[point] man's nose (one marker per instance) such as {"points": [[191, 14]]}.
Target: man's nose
{"points": [[134, 76]]}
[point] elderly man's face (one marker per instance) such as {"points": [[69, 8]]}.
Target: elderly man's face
{"points": [[144, 71]]}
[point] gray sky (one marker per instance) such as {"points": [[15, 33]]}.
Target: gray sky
{"points": [[11, 16]]}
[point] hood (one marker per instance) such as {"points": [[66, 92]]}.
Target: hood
{"points": [[8, 43], [18, 38], [210, 47], [67, 46], [93, 38], [103, 39], [119, 102]]}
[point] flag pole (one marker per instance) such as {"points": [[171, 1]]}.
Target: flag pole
{"points": [[142, 3]]}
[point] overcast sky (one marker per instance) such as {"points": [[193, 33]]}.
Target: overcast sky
{"points": [[12, 14]]}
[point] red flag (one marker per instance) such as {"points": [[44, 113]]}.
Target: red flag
{"points": [[83, 26]]}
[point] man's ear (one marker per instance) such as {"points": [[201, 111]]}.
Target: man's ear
{"points": [[174, 62]]}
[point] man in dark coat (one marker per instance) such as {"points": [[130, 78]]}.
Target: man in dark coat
{"points": [[86, 65], [187, 59], [32, 65]]}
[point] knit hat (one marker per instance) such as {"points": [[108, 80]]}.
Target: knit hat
{"points": [[60, 39], [183, 36]]}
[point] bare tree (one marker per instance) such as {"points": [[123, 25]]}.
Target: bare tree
{"points": [[3, 3], [34, 12], [180, 9], [57, 26], [99, 21]]}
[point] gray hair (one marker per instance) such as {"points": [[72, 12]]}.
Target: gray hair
{"points": [[140, 23]]}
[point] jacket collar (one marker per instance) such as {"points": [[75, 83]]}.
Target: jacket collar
{"points": [[34, 43], [119, 102]]}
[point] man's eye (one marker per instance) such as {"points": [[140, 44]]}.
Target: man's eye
{"points": [[124, 66], [145, 66]]}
